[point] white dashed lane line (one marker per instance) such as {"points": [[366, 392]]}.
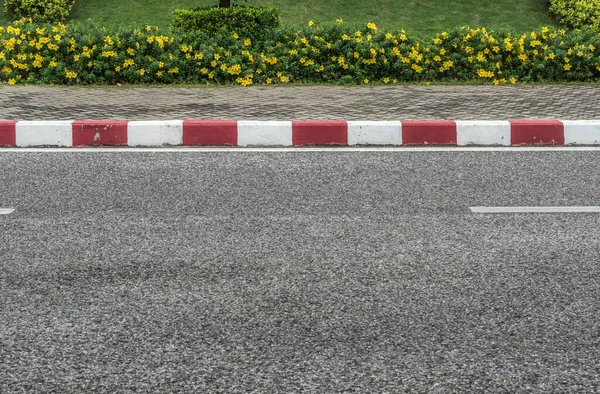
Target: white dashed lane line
{"points": [[6, 211]]}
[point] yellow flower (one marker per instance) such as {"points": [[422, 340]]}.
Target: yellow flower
{"points": [[247, 42], [340, 20], [366, 80], [485, 74], [345, 37], [268, 81], [386, 80], [173, 70], [130, 51], [142, 71], [128, 62], [310, 23], [371, 26], [235, 35], [567, 67], [70, 74], [12, 81], [159, 73], [118, 69], [513, 80]]}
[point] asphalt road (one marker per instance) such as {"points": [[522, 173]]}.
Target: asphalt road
{"points": [[298, 272]]}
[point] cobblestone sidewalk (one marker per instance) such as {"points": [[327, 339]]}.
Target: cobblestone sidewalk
{"points": [[300, 102]]}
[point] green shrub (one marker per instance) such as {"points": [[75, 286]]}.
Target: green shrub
{"points": [[86, 53], [577, 13], [39, 10], [244, 20]]}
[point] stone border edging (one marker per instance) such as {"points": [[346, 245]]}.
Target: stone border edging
{"points": [[76, 133]]}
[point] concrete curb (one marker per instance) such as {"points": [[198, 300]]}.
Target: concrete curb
{"points": [[74, 133]]}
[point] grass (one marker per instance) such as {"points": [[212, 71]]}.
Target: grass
{"points": [[419, 16]]}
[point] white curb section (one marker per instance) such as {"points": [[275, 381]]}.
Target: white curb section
{"points": [[482, 132], [374, 132], [582, 132], [267, 132], [155, 132], [44, 133]]}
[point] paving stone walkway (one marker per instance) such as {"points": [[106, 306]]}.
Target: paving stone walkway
{"points": [[303, 102]]}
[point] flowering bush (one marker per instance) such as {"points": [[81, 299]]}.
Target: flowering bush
{"points": [[39, 10], [336, 52], [577, 13]]}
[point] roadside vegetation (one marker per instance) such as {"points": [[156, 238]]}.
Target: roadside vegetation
{"points": [[247, 46], [425, 16]]}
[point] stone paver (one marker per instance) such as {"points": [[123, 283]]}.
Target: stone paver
{"points": [[303, 102]]}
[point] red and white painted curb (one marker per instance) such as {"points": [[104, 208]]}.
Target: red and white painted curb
{"points": [[74, 133]]}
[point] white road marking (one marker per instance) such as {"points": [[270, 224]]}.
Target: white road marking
{"points": [[180, 149], [534, 209], [6, 211]]}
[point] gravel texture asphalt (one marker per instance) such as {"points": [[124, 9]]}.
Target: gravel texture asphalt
{"points": [[298, 272]]}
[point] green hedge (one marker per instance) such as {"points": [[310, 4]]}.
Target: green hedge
{"points": [[244, 20], [334, 53], [39, 10], [577, 13]]}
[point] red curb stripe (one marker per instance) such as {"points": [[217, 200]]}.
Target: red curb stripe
{"points": [[210, 132], [428, 132], [99, 132], [8, 133], [306, 132], [537, 132]]}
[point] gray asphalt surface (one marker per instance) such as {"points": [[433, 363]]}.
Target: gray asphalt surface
{"points": [[298, 272]]}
